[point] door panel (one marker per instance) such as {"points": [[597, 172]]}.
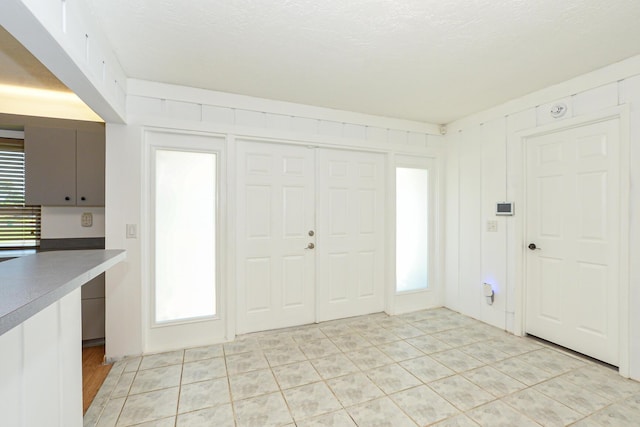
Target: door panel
{"points": [[275, 213], [350, 233], [572, 210]]}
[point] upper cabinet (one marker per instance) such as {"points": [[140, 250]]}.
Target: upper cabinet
{"points": [[64, 167]]}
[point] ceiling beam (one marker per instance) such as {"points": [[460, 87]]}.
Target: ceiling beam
{"points": [[28, 29]]}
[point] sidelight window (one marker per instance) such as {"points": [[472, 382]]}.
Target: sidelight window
{"points": [[412, 229], [185, 234]]}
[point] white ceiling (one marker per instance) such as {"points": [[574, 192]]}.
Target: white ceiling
{"points": [[426, 60]]}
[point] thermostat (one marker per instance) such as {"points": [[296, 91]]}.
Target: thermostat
{"points": [[504, 208]]}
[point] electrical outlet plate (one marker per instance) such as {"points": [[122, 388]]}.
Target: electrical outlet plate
{"points": [[87, 219]]}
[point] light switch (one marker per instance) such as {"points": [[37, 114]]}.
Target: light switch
{"points": [[132, 231], [492, 226], [87, 219]]}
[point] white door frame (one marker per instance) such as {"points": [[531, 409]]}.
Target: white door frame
{"points": [[408, 301], [159, 337], [519, 155]]}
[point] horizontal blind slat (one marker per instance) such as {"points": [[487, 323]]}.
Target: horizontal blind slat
{"points": [[19, 224]]}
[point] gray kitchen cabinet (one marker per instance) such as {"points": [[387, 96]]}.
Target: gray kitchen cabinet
{"points": [[90, 158], [93, 309], [64, 167]]}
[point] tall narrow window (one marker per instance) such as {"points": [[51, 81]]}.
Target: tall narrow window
{"points": [[19, 224], [185, 235], [412, 229]]}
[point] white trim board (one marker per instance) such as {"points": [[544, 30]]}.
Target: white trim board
{"points": [[166, 91], [601, 77]]}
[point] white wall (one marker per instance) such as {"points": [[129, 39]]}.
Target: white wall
{"points": [[65, 222], [484, 167], [41, 368], [160, 106]]}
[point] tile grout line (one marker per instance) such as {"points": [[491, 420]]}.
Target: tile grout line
{"points": [[361, 334]]}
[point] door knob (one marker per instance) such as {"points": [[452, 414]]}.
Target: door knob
{"points": [[310, 246], [533, 246]]}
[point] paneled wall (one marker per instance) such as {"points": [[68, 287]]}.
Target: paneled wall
{"points": [[41, 368], [484, 166], [169, 108]]}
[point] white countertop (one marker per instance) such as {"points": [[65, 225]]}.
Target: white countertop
{"points": [[29, 284]]}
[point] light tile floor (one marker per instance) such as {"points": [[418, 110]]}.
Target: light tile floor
{"points": [[433, 367]]}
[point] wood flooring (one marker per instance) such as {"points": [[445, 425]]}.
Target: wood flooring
{"points": [[93, 373]]}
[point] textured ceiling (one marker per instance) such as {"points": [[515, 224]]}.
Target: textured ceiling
{"points": [[426, 60]]}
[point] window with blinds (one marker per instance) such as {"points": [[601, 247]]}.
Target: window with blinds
{"points": [[19, 224]]}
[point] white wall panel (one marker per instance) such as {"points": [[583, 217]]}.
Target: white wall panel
{"points": [[70, 350], [452, 222], [494, 244], [183, 110], [376, 134], [630, 93], [304, 125], [11, 369], [595, 99], [143, 105], [470, 217], [278, 122], [330, 128], [41, 368], [398, 136], [354, 131], [215, 114], [515, 123], [123, 290], [634, 229], [417, 139], [251, 118]]}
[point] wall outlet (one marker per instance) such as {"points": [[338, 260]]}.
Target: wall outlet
{"points": [[87, 219], [492, 226]]}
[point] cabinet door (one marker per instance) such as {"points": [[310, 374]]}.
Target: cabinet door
{"points": [[90, 151], [50, 166]]}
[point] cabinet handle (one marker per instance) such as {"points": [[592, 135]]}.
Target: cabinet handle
{"points": [[67, 198], [83, 198]]}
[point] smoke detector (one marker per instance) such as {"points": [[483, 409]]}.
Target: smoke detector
{"points": [[558, 110]]}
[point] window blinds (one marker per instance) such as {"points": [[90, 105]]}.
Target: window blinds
{"points": [[19, 224]]}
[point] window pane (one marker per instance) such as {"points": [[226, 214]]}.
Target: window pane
{"points": [[412, 221], [185, 235], [19, 224]]}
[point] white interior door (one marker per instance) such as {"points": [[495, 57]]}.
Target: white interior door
{"points": [[276, 210], [573, 217], [350, 233]]}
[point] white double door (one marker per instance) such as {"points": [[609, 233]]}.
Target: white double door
{"points": [[310, 234], [573, 231]]}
